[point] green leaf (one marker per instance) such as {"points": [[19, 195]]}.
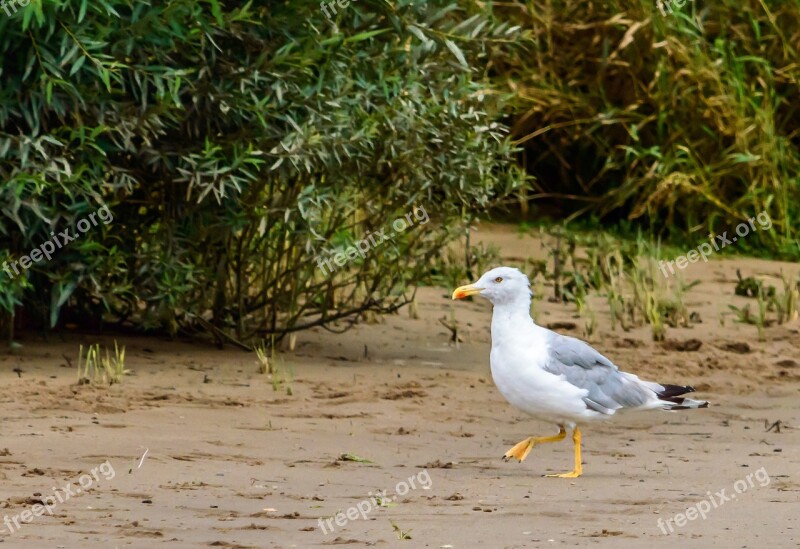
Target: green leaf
{"points": [[365, 35], [335, 39], [457, 52], [77, 65], [745, 158], [105, 76], [60, 294], [26, 17], [217, 12], [39, 13], [418, 33], [109, 8], [441, 13]]}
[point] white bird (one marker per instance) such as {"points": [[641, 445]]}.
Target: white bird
{"points": [[554, 377]]}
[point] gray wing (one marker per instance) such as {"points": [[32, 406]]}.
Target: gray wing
{"points": [[582, 366]]}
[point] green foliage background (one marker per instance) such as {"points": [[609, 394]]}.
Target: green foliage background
{"points": [[237, 142], [234, 144]]}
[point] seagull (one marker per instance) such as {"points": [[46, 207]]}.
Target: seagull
{"points": [[558, 378]]}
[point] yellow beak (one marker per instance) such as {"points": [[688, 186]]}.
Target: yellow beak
{"points": [[465, 291]]}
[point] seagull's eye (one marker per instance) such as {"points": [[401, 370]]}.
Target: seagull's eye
{"points": [[499, 279]]}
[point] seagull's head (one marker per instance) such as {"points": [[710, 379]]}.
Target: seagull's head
{"points": [[501, 285]]}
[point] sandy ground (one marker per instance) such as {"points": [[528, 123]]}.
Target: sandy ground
{"points": [[205, 453]]}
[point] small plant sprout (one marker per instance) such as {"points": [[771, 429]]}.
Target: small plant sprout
{"points": [[273, 366], [401, 534], [114, 366], [787, 303], [95, 368], [264, 364], [85, 368]]}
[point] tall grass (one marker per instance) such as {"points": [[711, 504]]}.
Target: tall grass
{"points": [[684, 123]]}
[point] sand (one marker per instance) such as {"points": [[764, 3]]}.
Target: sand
{"points": [[196, 448]]}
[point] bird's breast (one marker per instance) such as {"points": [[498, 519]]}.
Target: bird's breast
{"points": [[518, 371], [519, 375]]}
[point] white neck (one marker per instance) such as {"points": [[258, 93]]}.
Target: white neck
{"points": [[507, 318]]}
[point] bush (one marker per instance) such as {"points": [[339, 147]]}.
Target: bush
{"points": [[234, 144]]}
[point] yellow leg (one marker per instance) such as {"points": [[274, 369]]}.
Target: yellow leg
{"points": [[578, 470], [522, 449]]}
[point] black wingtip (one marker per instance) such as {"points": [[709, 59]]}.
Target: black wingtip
{"points": [[671, 391]]}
